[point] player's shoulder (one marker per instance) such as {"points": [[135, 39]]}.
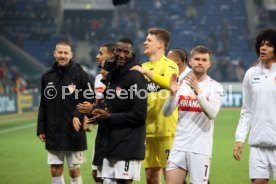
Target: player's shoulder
{"points": [[252, 70], [146, 64], [166, 62], [134, 74], [214, 83]]}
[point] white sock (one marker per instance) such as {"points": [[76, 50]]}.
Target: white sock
{"points": [[58, 180], [77, 180]]}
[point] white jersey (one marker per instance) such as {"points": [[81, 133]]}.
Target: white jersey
{"points": [[259, 107], [99, 86], [184, 73], [194, 132]]}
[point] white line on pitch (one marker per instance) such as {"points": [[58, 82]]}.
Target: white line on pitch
{"points": [[16, 128]]}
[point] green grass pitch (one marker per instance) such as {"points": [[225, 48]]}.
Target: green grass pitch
{"points": [[23, 157]]}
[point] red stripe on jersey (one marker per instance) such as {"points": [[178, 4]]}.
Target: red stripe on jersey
{"points": [[188, 103], [99, 89]]}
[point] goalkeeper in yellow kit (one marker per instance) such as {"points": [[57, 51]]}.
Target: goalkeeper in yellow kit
{"points": [[160, 130]]}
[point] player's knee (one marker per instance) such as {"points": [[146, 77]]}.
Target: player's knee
{"points": [[153, 175], [94, 174], [74, 171], [96, 179], [56, 170], [153, 172]]}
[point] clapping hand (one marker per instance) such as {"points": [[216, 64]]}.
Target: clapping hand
{"points": [[99, 115]]}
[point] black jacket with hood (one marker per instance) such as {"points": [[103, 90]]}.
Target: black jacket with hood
{"points": [[56, 113], [126, 99]]}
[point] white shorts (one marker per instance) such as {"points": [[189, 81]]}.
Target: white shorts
{"points": [[74, 158], [121, 169], [262, 162], [197, 165], [98, 169]]}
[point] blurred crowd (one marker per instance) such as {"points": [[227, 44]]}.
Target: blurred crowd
{"points": [[11, 80], [219, 25]]}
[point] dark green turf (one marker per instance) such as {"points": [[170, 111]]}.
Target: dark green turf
{"points": [[23, 157]]}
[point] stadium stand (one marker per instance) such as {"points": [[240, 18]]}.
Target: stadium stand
{"points": [[220, 25]]}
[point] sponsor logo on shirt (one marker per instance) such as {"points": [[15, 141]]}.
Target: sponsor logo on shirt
{"points": [[125, 174], [152, 87], [255, 80], [172, 67], [189, 103]]}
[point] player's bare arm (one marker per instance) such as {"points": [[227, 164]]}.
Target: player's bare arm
{"points": [[143, 71]]}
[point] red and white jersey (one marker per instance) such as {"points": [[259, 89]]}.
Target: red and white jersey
{"points": [[99, 86], [259, 107], [194, 132]]}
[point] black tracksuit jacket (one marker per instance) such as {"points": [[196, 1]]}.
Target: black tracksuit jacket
{"points": [[126, 140], [56, 115], [125, 130]]}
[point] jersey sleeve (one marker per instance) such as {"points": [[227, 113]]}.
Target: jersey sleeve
{"points": [[164, 80], [87, 93], [41, 120], [245, 116], [169, 106], [211, 105]]}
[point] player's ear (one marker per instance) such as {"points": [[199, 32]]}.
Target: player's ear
{"points": [[190, 61], [54, 53], [210, 64]]}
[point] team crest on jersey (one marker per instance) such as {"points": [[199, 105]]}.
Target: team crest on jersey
{"points": [[118, 91], [71, 88], [189, 103]]}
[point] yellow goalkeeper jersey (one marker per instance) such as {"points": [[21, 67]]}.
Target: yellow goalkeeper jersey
{"points": [[157, 125]]}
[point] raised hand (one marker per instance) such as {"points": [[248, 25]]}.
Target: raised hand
{"points": [[191, 80], [173, 84]]}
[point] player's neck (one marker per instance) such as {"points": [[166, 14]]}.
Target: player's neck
{"points": [[156, 56], [267, 64], [201, 77], [182, 69]]}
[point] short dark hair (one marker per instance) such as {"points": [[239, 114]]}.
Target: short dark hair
{"points": [[64, 42], [181, 53], [161, 34], [110, 47], [266, 35], [126, 40], [201, 49]]}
